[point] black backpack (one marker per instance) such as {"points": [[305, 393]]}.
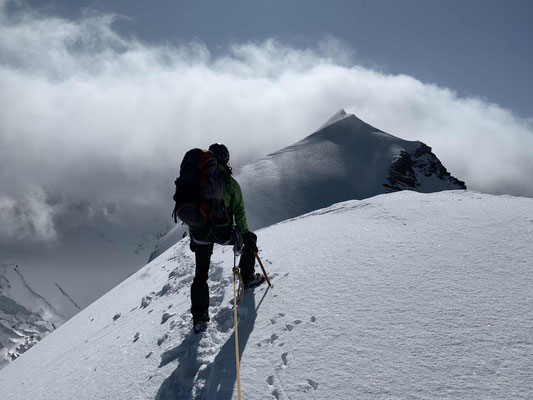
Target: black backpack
{"points": [[199, 190]]}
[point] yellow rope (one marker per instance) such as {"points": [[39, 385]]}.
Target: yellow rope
{"points": [[236, 274]]}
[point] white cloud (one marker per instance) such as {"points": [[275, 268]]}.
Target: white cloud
{"points": [[91, 117], [30, 217]]}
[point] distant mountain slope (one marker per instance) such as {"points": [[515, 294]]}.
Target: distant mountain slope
{"points": [[403, 295], [26, 317], [346, 159]]}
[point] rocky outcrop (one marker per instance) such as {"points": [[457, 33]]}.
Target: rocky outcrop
{"points": [[410, 168]]}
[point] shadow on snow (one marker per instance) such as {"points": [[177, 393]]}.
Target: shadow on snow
{"points": [[219, 377]]}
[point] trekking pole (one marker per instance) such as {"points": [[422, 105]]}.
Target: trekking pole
{"points": [[263, 268], [236, 273]]}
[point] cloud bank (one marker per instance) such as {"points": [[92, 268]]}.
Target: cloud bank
{"points": [[93, 125]]}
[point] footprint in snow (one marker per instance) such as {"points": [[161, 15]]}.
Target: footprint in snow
{"points": [[164, 290], [313, 384], [145, 302], [165, 317], [136, 337], [162, 339], [287, 328], [274, 320], [224, 319], [285, 359], [144, 275], [179, 272], [272, 338], [290, 327]]}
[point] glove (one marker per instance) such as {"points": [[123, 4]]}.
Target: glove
{"points": [[250, 241]]}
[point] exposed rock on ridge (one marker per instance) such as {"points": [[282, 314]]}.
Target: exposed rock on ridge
{"points": [[404, 171]]}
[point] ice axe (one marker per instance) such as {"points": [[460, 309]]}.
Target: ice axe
{"points": [[263, 268]]}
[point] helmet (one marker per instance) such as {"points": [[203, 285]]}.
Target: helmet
{"points": [[221, 152]]}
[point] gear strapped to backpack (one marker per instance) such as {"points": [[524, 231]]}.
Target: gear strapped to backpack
{"points": [[199, 190]]}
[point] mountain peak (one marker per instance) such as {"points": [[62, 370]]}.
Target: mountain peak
{"points": [[339, 115], [346, 159]]}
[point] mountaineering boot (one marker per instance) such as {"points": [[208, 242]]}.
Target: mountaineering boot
{"points": [[200, 326], [199, 322], [255, 281]]}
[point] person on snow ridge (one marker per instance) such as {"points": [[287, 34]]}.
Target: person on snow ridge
{"points": [[203, 238]]}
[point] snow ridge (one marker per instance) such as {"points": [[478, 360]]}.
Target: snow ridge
{"points": [[401, 293], [339, 115]]}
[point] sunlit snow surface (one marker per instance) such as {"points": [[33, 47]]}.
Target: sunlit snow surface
{"points": [[400, 296]]}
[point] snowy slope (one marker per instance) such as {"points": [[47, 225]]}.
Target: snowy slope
{"points": [[345, 159], [176, 233], [404, 295]]}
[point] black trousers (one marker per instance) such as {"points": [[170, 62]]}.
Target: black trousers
{"points": [[200, 289]]}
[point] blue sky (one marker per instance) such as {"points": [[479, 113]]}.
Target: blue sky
{"points": [[477, 48]]}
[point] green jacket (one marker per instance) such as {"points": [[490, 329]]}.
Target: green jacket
{"points": [[234, 201]]}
